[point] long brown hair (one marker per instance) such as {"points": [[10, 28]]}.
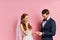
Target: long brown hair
{"points": [[22, 22]]}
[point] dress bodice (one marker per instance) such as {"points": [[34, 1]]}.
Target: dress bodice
{"points": [[29, 33]]}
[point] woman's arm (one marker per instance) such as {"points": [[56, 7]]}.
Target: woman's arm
{"points": [[25, 32]]}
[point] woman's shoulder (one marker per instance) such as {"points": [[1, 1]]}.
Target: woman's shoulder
{"points": [[21, 25]]}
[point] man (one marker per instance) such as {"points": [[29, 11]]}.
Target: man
{"points": [[48, 26]]}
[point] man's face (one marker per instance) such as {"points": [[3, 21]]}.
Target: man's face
{"points": [[45, 16]]}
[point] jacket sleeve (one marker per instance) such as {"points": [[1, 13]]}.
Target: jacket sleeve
{"points": [[53, 30], [41, 28]]}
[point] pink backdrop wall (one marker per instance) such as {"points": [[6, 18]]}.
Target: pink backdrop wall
{"points": [[10, 11]]}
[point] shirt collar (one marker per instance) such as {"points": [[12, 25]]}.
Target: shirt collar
{"points": [[48, 18]]}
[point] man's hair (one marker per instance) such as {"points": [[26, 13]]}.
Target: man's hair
{"points": [[45, 11]]}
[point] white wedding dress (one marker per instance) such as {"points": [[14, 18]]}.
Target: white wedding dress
{"points": [[28, 36]]}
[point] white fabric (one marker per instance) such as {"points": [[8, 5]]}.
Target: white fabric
{"points": [[28, 36], [43, 24], [48, 18], [18, 31]]}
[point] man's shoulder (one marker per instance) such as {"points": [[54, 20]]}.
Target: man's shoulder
{"points": [[52, 20]]}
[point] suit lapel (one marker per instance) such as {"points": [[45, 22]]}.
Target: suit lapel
{"points": [[46, 22]]}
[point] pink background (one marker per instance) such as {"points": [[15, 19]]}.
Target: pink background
{"points": [[10, 11]]}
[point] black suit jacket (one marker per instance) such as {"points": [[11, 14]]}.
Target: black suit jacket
{"points": [[49, 30]]}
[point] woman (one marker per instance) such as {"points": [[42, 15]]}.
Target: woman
{"points": [[26, 27]]}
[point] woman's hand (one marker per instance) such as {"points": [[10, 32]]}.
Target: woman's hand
{"points": [[33, 33], [25, 32], [39, 33]]}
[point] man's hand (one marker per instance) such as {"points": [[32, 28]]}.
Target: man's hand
{"points": [[39, 33]]}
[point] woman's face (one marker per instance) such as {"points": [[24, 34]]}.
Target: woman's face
{"points": [[26, 19]]}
